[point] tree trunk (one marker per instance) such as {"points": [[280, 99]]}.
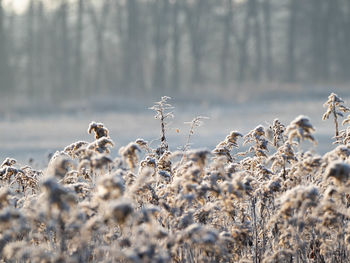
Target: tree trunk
{"points": [[242, 44], [78, 49], [268, 40], [6, 77], [160, 9], [65, 73], [327, 22], [225, 54], [176, 37], [30, 51], [257, 37], [40, 54], [99, 25], [133, 74], [291, 70], [196, 23]]}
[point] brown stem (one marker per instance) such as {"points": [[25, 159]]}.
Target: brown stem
{"points": [[335, 119]]}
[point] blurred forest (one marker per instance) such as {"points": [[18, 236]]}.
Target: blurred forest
{"points": [[75, 49]]}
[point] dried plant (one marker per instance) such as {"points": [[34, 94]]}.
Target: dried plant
{"points": [[277, 130], [343, 137], [129, 154], [335, 106], [287, 205], [98, 129], [301, 129], [257, 137], [225, 147], [163, 112], [195, 123]]}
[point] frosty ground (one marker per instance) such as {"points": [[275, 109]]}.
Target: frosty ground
{"points": [[33, 135]]}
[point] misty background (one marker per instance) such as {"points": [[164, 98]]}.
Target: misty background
{"points": [[64, 63]]}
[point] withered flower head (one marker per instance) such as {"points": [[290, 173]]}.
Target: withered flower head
{"points": [[99, 130], [340, 171]]}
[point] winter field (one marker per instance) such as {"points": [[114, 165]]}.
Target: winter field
{"points": [[112, 193], [37, 134]]}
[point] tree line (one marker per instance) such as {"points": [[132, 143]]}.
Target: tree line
{"points": [[126, 47]]}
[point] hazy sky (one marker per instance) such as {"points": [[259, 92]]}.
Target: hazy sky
{"points": [[19, 6]]}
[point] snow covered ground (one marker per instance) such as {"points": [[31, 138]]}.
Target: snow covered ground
{"points": [[24, 136]]}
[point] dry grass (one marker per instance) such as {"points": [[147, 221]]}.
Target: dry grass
{"points": [[271, 203]]}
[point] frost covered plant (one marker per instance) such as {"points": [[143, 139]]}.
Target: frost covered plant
{"points": [[195, 123], [257, 137], [59, 165], [225, 147], [98, 129], [301, 129], [343, 137], [334, 106], [346, 121], [277, 135], [283, 156], [286, 205], [143, 145], [101, 145], [8, 162], [129, 154], [110, 187], [163, 112], [76, 149], [198, 157], [340, 171]]}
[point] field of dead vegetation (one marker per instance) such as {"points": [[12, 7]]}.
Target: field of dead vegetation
{"points": [[267, 194]]}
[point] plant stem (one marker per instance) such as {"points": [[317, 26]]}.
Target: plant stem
{"points": [[335, 118]]}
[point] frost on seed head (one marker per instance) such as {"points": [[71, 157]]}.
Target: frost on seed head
{"points": [[74, 150], [59, 165], [119, 210], [101, 145], [100, 161], [110, 187], [198, 157], [301, 129], [299, 197], [225, 147], [8, 162], [340, 171], [129, 154], [98, 129], [58, 196], [333, 104]]}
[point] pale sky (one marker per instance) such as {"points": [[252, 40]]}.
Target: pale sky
{"points": [[19, 6]]}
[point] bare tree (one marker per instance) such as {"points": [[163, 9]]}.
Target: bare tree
{"points": [[196, 22], [6, 77], [160, 39], [227, 32], [342, 38], [176, 39], [99, 26], [40, 50], [268, 39], [257, 39], [242, 44], [30, 43], [291, 67], [78, 48], [133, 73], [64, 50]]}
